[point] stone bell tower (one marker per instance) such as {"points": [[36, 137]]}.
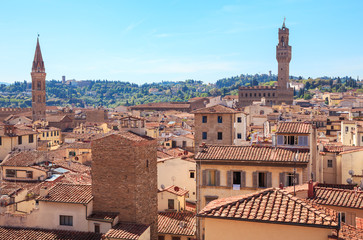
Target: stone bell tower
{"points": [[38, 85], [283, 56]]}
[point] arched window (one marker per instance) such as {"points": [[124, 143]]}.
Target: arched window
{"points": [[39, 85]]}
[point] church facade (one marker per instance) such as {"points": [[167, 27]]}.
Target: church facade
{"points": [[275, 95]]}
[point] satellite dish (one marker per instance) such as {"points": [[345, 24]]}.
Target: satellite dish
{"points": [[162, 186], [349, 180], [351, 172]]}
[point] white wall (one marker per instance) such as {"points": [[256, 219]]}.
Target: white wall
{"points": [[179, 170]]}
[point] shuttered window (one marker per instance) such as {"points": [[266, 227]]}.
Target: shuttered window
{"points": [[236, 178], [303, 141], [262, 179], [280, 140], [211, 178]]}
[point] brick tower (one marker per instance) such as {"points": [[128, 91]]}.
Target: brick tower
{"points": [[283, 56], [38, 85], [124, 178]]}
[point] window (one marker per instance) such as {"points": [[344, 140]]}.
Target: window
{"points": [[290, 140], [43, 134], [47, 134], [346, 129], [31, 138], [204, 119], [191, 174], [161, 238], [220, 119], [175, 238], [262, 112], [65, 220], [330, 163], [236, 180], [97, 228], [170, 203], [1, 141], [239, 119], [204, 135], [239, 136], [289, 179], [20, 140], [10, 173], [39, 85], [29, 174], [262, 180], [342, 216], [184, 144], [211, 178], [167, 144], [51, 134], [208, 199], [220, 136]]}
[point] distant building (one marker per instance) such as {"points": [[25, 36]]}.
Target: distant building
{"points": [[273, 95]]}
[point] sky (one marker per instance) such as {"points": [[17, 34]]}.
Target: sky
{"points": [[172, 40]]}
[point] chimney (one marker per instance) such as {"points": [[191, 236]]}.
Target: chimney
{"points": [[311, 189], [44, 191]]}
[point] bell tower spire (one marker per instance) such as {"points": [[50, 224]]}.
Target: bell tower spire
{"points": [[38, 85]]}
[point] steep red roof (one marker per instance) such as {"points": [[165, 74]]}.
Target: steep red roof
{"points": [[251, 153], [177, 223], [38, 63], [293, 127], [338, 197], [25, 159], [12, 233], [270, 205], [69, 193], [127, 231]]}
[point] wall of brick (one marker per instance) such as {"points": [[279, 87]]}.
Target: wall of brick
{"points": [[124, 179]]}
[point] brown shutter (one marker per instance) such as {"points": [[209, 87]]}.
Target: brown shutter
{"points": [[229, 178], [204, 178], [218, 178], [269, 179], [243, 179], [254, 179], [297, 179], [282, 179]]}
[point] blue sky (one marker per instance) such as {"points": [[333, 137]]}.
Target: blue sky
{"points": [[151, 41]]}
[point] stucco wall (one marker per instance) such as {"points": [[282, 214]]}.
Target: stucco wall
{"points": [[177, 172], [217, 229]]}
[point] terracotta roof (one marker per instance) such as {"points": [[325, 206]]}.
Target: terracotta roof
{"points": [[18, 131], [175, 190], [251, 153], [25, 159], [56, 118], [293, 127], [79, 145], [338, 149], [338, 197], [215, 109], [104, 216], [73, 166], [349, 232], [69, 193], [177, 223], [11, 233], [166, 105], [270, 205], [126, 231]]}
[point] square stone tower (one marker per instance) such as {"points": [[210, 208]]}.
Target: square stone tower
{"points": [[38, 85], [124, 178]]}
